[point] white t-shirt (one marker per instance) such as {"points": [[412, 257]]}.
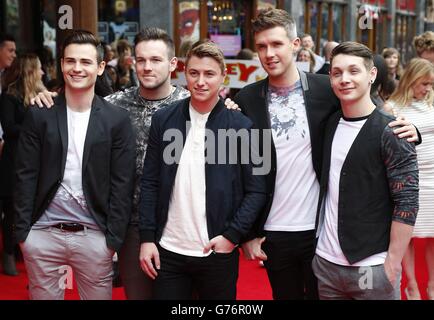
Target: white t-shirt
{"points": [[296, 189], [69, 203], [77, 129], [186, 229], [328, 246]]}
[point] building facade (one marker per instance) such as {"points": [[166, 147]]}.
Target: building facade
{"points": [[376, 23]]}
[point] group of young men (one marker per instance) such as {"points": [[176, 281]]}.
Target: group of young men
{"points": [[176, 184]]}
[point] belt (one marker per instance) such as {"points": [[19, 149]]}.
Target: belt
{"points": [[73, 227]]}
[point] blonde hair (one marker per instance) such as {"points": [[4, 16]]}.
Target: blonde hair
{"points": [[424, 42], [311, 56], [27, 80], [416, 69], [206, 48]]}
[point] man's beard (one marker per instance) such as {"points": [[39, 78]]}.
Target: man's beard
{"points": [[154, 85]]}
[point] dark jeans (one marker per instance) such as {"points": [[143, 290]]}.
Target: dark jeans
{"points": [[137, 285], [207, 278], [289, 264], [9, 240]]}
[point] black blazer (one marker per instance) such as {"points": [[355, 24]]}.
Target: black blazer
{"points": [[12, 111], [325, 69], [320, 103], [108, 166]]}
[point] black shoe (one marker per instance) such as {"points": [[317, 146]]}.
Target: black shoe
{"points": [[9, 266], [117, 281]]}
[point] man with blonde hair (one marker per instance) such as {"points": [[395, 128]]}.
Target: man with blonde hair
{"points": [[197, 204]]}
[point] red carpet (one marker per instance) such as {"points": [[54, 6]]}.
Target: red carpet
{"points": [[252, 282]]}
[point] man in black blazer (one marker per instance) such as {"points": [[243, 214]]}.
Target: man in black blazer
{"points": [[329, 46], [74, 174], [295, 106], [369, 194]]}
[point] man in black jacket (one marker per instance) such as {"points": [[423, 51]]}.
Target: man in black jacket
{"points": [[369, 189], [199, 194], [295, 106], [74, 181], [7, 56]]}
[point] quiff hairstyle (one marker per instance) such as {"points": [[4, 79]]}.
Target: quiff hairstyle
{"points": [[354, 49], [207, 48], [84, 37], [153, 33], [270, 18]]}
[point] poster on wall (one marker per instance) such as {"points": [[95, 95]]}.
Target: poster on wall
{"points": [[189, 31]]}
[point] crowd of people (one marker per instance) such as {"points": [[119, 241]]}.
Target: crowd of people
{"points": [[322, 173]]}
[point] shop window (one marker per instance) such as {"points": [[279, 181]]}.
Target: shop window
{"points": [[338, 23], [12, 17], [226, 21], [382, 27], [118, 19], [312, 19], [49, 18], [298, 14], [264, 4], [324, 21]]}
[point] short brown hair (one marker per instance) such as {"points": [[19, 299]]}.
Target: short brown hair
{"points": [[270, 18], [354, 49], [154, 33], [84, 37], [424, 42], [207, 48]]}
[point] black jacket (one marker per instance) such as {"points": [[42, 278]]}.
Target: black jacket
{"points": [[234, 196], [12, 111], [320, 103], [108, 166]]}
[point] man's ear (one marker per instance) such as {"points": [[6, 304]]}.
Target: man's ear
{"points": [[173, 64], [296, 43], [101, 68], [373, 74]]}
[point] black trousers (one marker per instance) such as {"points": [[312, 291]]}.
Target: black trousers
{"points": [[137, 285], [206, 278], [289, 264], [9, 239]]}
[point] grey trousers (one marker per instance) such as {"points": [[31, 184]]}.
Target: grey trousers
{"points": [[53, 256], [336, 282]]}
